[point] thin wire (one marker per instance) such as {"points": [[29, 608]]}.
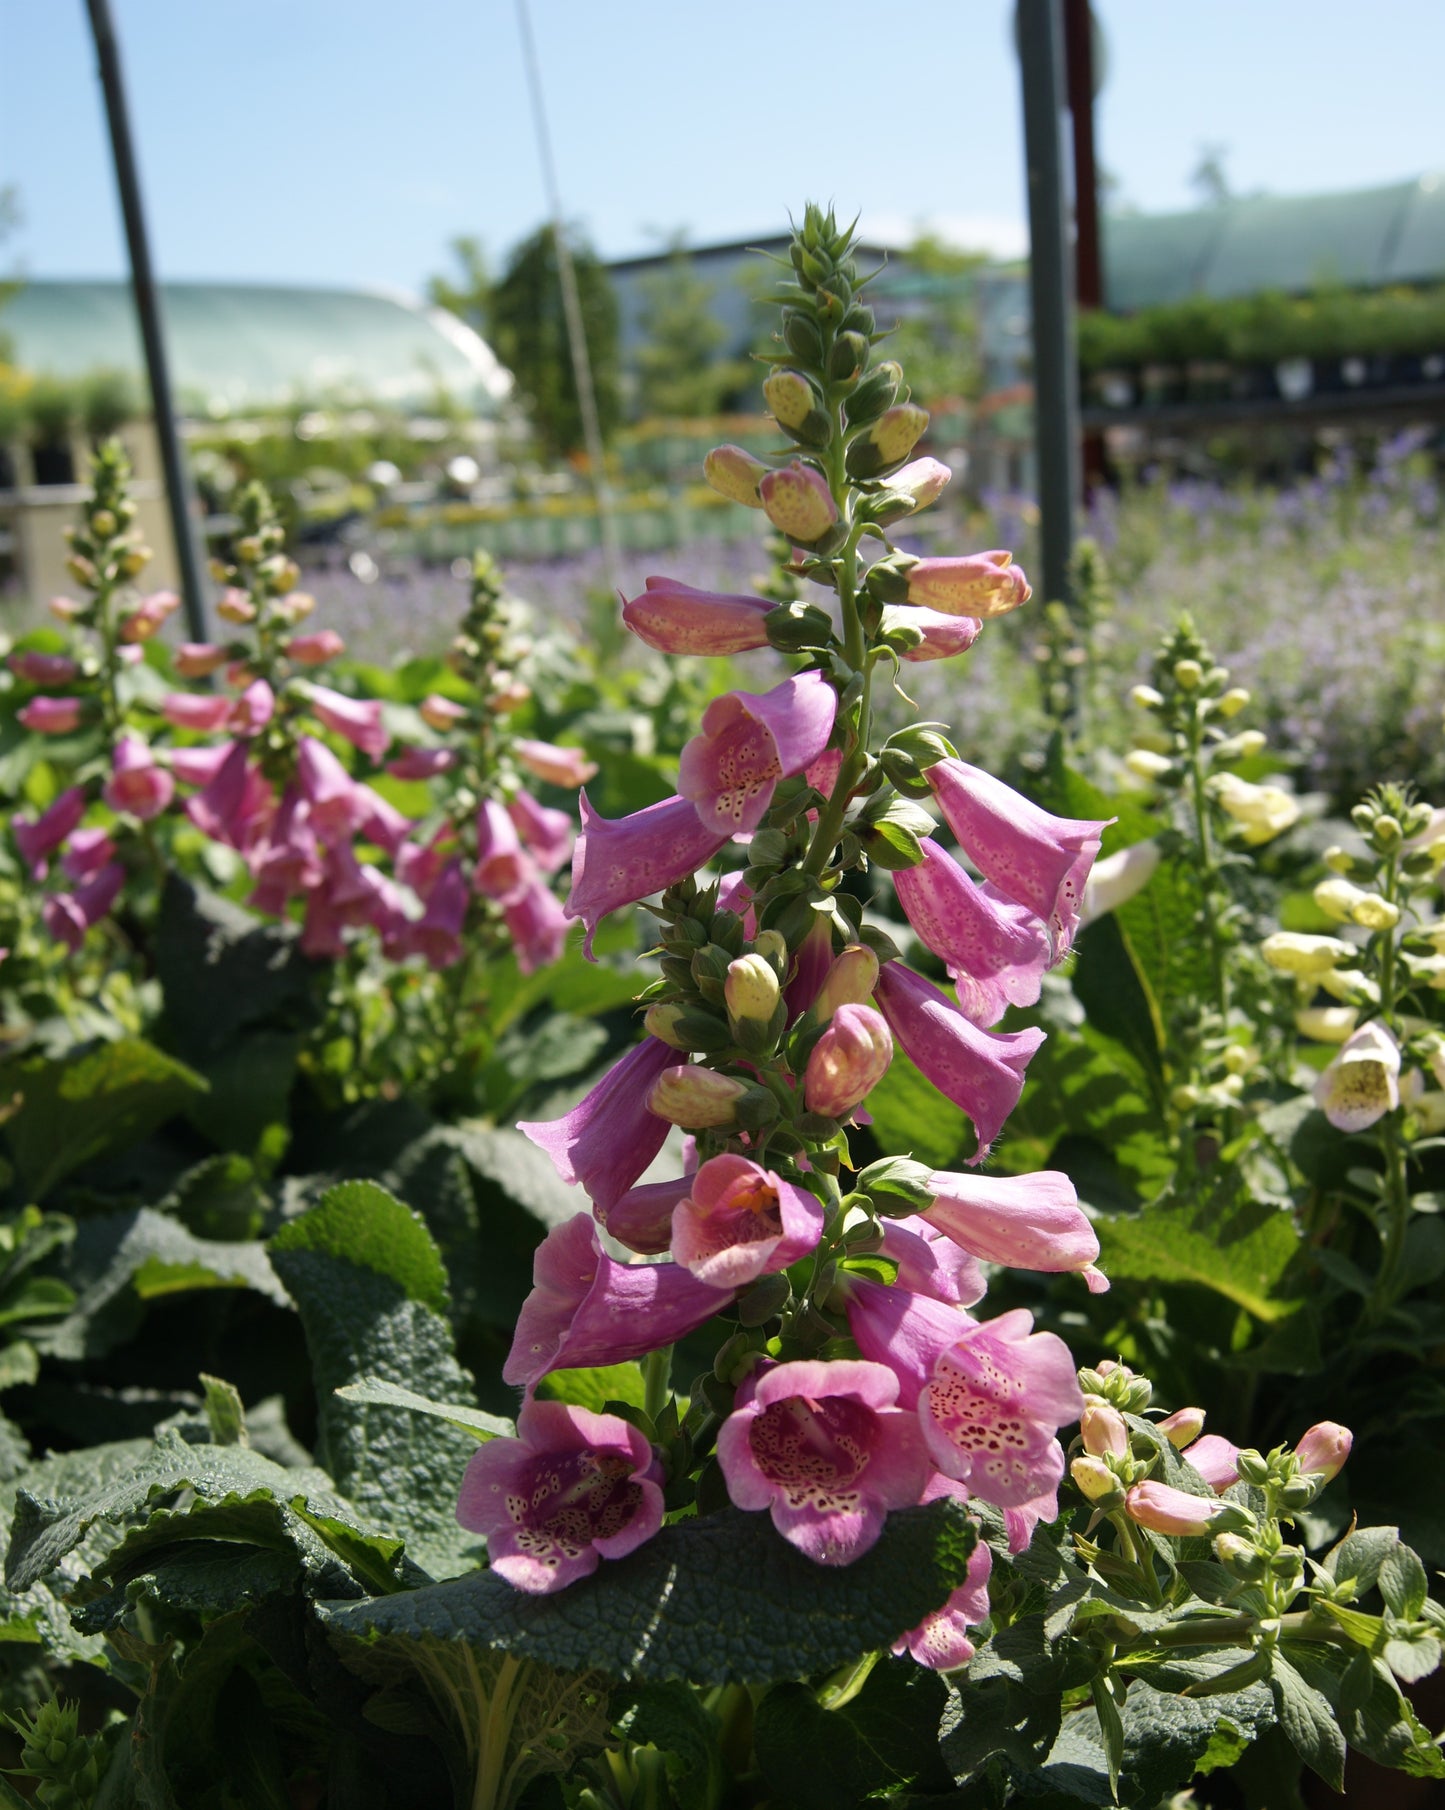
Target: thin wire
{"points": [[571, 308]]}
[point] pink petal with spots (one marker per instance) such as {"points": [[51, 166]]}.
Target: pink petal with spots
{"points": [[940, 1641], [996, 952], [747, 743], [739, 1221], [618, 861], [930, 1263]]}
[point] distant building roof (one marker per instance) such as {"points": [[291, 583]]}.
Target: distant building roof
{"points": [[240, 346], [1366, 238]]}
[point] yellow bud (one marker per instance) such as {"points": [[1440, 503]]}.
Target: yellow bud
{"points": [[1144, 763], [1188, 674], [849, 982], [1352, 985], [751, 989], [1294, 953], [1146, 697], [1232, 701], [1326, 1024], [661, 1022]]}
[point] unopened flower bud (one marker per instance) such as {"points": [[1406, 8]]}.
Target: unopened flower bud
{"points": [[1387, 830], [1252, 1466], [847, 1062], [1292, 952], [1104, 1431], [1352, 985], [1096, 1482], [1182, 1427], [1173, 1511], [1243, 746], [735, 474], [1232, 701], [1240, 1058], [772, 946], [790, 396], [1146, 697], [1188, 674], [1262, 812], [103, 523], [1322, 1451], [1347, 903], [888, 441], [662, 1022], [694, 1097], [1326, 1024], [751, 989], [1299, 1492], [849, 981], [1145, 764], [798, 502], [1240, 1557], [235, 606], [440, 713]]}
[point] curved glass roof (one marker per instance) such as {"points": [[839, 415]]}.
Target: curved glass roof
{"points": [[240, 346]]}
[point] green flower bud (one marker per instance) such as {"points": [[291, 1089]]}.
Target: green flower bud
{"points": [[1188, 675], [751, 989], [875, 393]]}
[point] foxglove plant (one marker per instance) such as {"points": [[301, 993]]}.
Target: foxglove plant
{"points": [[849, 1377]]}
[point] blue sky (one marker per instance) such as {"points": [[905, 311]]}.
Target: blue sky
{"points": [[346, 141]]}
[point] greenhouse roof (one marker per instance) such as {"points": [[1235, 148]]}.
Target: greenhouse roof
{"points": [[1366, 238], [240, 346]]}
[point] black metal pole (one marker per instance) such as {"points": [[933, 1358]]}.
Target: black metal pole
{"points": [[178, 490], [1051, 283]]}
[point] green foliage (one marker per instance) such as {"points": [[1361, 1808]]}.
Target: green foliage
{"points": [[677, 366]]}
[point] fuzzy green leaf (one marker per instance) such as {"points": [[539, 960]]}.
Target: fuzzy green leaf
{"points": [[1308, 1718], [481, 1425]]}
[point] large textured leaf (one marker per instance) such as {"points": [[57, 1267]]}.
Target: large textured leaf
{"points": [[1110, 986], [819, 1759], [713, 1601], [1308, 1718], [121, 1260], [81, 1106], [371, 1290], [220, 968], [1161, 927]]}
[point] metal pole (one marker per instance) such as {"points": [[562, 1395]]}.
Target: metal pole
{"points": [[1051, 284], [107, 53], [1081, 84]]}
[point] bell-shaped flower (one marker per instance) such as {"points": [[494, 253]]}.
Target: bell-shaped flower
{"points": [[747, 743], [1362, 1083], [203, 712], [587, 1309], [619, 860], [547, 834], [739, 1221], [1027, 1222], [315, 649], [981, 1072], [930, 1263], [1215, 1460], [146, 618], [287, 860], [1262, 812], [198, 766], [503, 867], [971, 584], [437, 935], [38, 839], [254, 708], [1019, 1523], [609, 1137], [571, 1489], [199, 659], [36, 668], [536, 925], [847, 1062], [993, 1404], [944, 637], [908, 1332], [423, 763], [567, 767], [378, 820], [1164, 1509], [1036, 859], [1322, 1451], [642, 1218], [357, 720], [827, 1451], [329, 790], [1115, 880], [940, 1641], [798, 502], [136, 784], [88, 852], [68, 915], [996, 952], [51, 716], [675, 618]]}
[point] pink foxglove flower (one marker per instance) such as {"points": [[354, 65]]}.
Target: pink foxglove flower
{"points": [[136, 783], [747, 743], [316, 648], [587, 1309], [556, 766], [908, 1332], [642, 1218], [504, 869], [931, 1264], [437, 935], [198, 766], [199, 659], [202, 712], [1322, 1451], [378, 821], [1038, 860], [328, 789], [68, 915], [42, 669], [993, 1404], [971, 584], [943, 636], [38, 840], [979, 1071], [441, 713], [1215, 1459], [286, 860], [676, 619], [618, 861], [1019, 1523], [996, 952], [739, 1221], [1181, 1428], [1164, 1509], [847, 1062], [254, 708], [536, 925], [1362, 1084], [1028, 1222], [826, 1450], [609, 1137], [546, 834], [573, 1488], [51, 716], [940, 1641], [146, 618], [89, 851], [358, 720], [423, 763]]}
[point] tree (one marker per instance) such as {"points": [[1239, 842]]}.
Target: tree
{"points": [[938, 346], [470, 297], [678, 370], [529, 335]]}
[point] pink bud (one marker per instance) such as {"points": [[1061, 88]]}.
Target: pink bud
{"points": [[235, 606], [847, 1062], [1322, 1451], [43, 669], [676, 619], [943, 636], [422, 763], [136, 783], [315, 649], [977, 584], [255, 708], [441, 713], [1168, 1510], [146, 618], [557, 766], [201, 711], [51, 716], [41, 838], [357, 719], [1182, 1427], [735, 474], [1105, 1431], [199, 659], [923, 480], [65, 608], [798, 502]]}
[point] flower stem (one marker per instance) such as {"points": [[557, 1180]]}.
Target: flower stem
{"points": [[656, 1380]]}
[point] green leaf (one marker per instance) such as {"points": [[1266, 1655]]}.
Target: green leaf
{"points": [[670, 1718], [1109, 984], [718, 1600], [997, 1717], [371, 1290], [911, 1117], [1360, 1555], [1229, 1245], [1308, 1718], [819, 1759], [81, 1106], [480, 1425], [1403, 1582], [249, 1089], [1382, 1726], [1412, 1654], [596, 1387], [221, 969]]}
